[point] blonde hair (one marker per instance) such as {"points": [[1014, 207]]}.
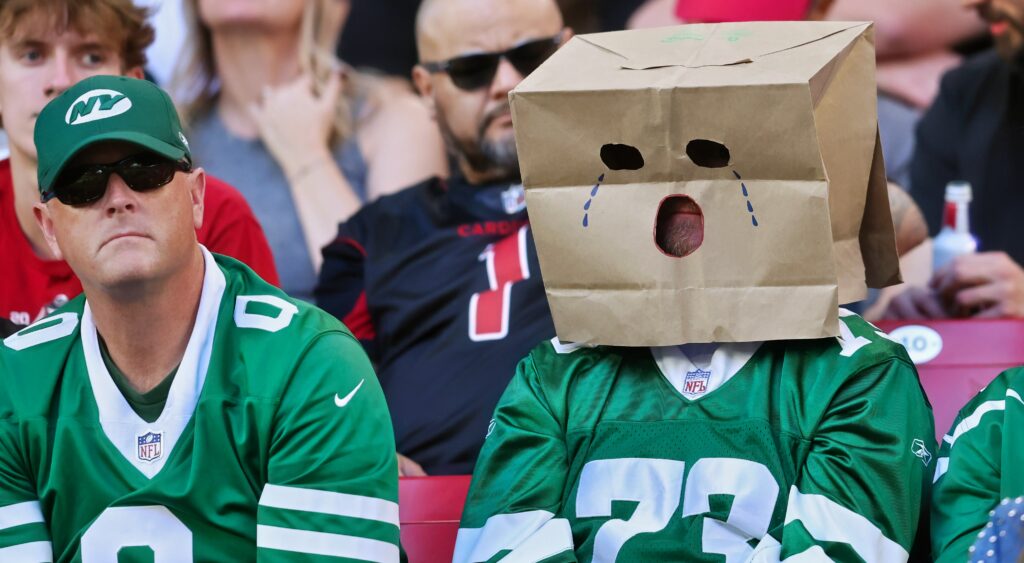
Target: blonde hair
{"points": [[195, 85]]}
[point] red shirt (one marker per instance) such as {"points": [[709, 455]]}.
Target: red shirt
{"points": [[29, 284]]}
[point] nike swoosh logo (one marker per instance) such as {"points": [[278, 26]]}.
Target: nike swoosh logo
{"points": [[342, 401]]}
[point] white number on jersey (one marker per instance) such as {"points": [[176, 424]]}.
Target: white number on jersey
{"points": [[847, 341], [654, 483], [57, 326], [754, 493], [130, 526], [244, 319], [506, 265], [657, 484]]}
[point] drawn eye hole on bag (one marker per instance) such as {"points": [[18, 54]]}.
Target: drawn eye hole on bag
{"points": [[679, 221]]}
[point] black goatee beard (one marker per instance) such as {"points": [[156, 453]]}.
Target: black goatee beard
{"points": [[497, 160]]}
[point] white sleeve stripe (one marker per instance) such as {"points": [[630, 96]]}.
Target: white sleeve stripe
{"points": [[532, 536], [813, 555], [553, 538], [974, 419], [19, 514], [941, 467], [321, 543], [41, 551], [826, 520], [325, 502]]}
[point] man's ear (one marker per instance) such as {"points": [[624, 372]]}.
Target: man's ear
{"points": [[42, 214], [135, 72], [424, 83], [197, 192]]}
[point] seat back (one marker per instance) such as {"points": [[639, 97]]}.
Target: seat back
{"points": [[957, 358], [429, 510]]}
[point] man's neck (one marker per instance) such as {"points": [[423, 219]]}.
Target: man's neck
{"points": [[147, 328], [246, 62], [26, 193]]}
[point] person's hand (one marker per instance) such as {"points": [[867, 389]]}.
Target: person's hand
{"points": [[409, 468], [295, 124], [915, 303], [984, 285]]}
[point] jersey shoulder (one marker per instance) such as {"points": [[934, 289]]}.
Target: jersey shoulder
{"points": [[565, 373], [1005, 392], [33, 360], [859, 346], [262, 326], [254, 303]]}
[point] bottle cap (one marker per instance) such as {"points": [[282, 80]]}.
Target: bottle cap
{"points": [[959, 192]]}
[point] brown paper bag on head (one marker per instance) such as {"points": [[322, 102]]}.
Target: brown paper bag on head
{"points": [[769, 128]]}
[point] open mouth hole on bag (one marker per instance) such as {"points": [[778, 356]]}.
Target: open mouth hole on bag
{"points": [[679, 228]]}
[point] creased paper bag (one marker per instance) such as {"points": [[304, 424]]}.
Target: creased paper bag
{"points": [[769, 128]]}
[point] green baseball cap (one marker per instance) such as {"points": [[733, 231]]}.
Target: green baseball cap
{"points": [[106, 108]]}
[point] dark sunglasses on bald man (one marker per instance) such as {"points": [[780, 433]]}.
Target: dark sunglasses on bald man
{"points": [[143, 172], [475, 71]]}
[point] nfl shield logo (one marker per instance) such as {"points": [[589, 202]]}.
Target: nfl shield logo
{"points": [[150, 446], [514, 199], [695, 383]]}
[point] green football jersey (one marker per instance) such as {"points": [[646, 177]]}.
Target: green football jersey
{"points": [[980, 463], [274, 444], [789, 450]]}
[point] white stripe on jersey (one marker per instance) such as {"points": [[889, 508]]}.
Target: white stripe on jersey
{"points": [[326, 502], [20, 514], [532, 536], [813, 555], [828, 521], [941, 467], [769, 550], [41, 551], [974, 419], [321, 543]]}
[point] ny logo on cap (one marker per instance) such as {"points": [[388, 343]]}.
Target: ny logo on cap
{"points": [[95, 105]]}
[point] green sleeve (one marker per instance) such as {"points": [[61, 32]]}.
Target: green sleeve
{"points": [[332, 476], [24, 534], [968, 479], [518, 482], [860, 492]]}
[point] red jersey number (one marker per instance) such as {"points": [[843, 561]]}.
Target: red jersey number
{"points": [[506, 264]]}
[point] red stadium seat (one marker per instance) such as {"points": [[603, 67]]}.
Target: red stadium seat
{"points": [[970, 354], [429, 509]]}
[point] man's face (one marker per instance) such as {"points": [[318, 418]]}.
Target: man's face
{"points": [[477, 123], [125, 238], [36, 65], [1006, 21]]}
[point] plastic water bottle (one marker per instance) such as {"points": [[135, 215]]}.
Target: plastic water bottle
{"points": [[955, 238]]}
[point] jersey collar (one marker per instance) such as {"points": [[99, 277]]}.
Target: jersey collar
{"points": [[694, 381], [122, 426]]}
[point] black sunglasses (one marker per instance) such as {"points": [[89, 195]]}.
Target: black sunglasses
{"points": [[475, 71], [142, 172]]}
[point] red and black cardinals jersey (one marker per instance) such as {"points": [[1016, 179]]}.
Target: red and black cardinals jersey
{"points": [[441, 284]]}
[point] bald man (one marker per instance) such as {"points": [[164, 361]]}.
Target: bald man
{"points": [[440, 281]]}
